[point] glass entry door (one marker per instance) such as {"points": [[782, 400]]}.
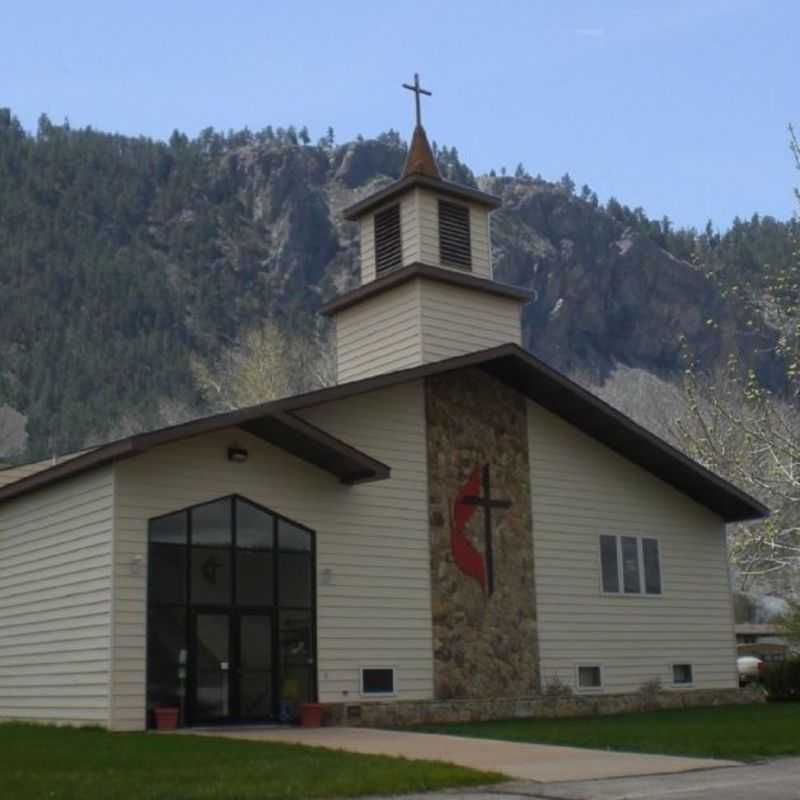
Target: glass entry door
{"points": [[232, 667], [212, 667], [232, 614], [256, 687]]}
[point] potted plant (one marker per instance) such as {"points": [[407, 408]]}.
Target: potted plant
{"points": [[311, 715], [166, 717]]}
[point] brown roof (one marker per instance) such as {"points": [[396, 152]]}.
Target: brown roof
{"points": [[267, 421], [508, 363], [401, 275], [413, 180], [420, 160], [14, 473]]}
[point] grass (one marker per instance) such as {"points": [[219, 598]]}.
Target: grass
{"points": [[742, 733], [49, 763]]}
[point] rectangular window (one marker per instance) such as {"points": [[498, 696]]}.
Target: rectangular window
{"points": [[388, 241], [630, 565], [682, 674], [377, 681], [590, 677], [608, 556], [652, 569], [455, 242]]}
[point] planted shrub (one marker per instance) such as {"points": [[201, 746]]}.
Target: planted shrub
{"points": [[781, 679]]}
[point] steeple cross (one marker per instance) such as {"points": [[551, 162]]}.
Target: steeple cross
{"points": [[418, 90]]}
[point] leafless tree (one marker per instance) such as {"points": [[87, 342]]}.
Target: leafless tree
{"points": [[264, 365], [739, 428]]}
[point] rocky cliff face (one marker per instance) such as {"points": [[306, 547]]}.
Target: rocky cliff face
{"points": [[604, 294], [205, 241]]}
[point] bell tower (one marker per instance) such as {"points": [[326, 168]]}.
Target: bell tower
{"points": [[427, 290]]}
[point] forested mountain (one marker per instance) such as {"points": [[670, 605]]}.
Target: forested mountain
{"points": [[120, 258]]}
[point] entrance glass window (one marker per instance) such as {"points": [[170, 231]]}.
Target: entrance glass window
{"points": [[231, 613]]}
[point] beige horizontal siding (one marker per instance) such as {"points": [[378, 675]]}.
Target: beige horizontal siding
{"points": [[420, 322], [428, 227], [456, 321], [55, 602], [409, 229], [381, 334], [373, 538], [580, 490], [480, 241]]}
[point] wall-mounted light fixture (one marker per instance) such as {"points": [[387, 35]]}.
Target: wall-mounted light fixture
{"points": [[237, 454]]}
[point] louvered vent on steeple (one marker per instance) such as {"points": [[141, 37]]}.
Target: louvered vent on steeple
{"points": [[454, 235], [388, 245]]}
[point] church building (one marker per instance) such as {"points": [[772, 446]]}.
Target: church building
{"points": [[454, 528]]}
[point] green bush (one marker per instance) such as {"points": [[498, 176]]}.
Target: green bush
{"points": [[782, 679]]}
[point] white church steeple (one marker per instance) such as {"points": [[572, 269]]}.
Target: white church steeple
{"points": [[427, 289]]}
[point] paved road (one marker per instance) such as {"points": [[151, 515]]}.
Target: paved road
{"points": [[776, 780]]}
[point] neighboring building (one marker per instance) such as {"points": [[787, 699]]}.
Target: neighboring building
{"points": [[762, 640], [453, 521]]}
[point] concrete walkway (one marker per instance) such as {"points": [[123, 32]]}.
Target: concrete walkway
{"points": [[522, 762]]}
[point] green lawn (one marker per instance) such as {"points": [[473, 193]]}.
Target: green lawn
{"points": [[48, 763], [744, 733]]}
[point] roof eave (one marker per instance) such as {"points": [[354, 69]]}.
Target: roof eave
{"points": [[389, 192], [540, 383], [314, 446], [400, 275], [618, 428], [94, 459]]}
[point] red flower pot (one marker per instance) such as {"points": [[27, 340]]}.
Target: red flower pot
{"points": [[311, 715], [166, 718]]}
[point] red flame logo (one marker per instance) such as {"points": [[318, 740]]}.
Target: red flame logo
{"points": [[466, 556]]}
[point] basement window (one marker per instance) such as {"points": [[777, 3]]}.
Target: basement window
{"points": [[377, 681], [455, 248], [388, 244], [590, 676], [682, 674]]}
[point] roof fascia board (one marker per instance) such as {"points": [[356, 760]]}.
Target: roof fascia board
{"points": [[365, 205], [418, 270]]}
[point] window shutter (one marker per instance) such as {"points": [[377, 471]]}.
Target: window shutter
{"points": [[455, 248], [388, 246]]}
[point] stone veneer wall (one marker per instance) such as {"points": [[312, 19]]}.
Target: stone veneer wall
{"points": [[484, 646], [398, 714]]}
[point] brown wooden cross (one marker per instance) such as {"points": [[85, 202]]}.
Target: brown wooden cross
{"points": [[487, 503], [418, 90]]}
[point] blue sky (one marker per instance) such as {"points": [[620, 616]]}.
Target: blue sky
{"points": [[680, 107]]}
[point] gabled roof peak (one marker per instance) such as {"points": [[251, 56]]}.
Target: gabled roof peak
{"points": [[420, 160]]}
